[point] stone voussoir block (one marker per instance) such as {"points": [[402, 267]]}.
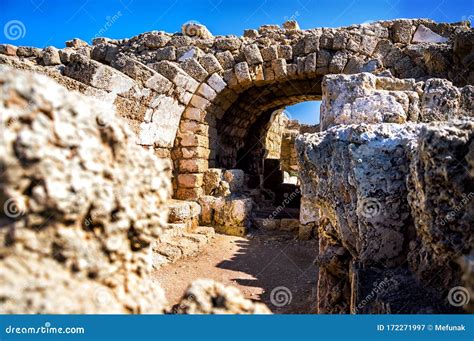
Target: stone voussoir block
{"points": [[216, 82], [242, 73], [206, 91], [269, 53], [194, 114], [210, 63], [199, 102], [194, 127], [252, 54]]}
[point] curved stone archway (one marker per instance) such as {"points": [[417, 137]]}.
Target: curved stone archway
{"points": [[272, 68], [190, 96]]}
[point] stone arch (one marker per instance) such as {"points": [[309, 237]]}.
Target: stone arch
{"points": [[180, 92], [271, 68]]}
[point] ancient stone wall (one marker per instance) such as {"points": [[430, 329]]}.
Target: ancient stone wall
{"points": [[197, 95]]}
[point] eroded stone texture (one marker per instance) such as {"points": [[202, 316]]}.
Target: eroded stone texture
{"points": [[366, 98], [383, 207], [82, 204]]}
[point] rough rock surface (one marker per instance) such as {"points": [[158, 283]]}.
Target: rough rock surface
{"points": [[385, 193], [366, 98], [82, 203], [209, 297]]}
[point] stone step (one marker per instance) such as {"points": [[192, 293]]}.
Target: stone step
{"points": [[184, 212], [172, 230], [303, 232], [177, 243]]}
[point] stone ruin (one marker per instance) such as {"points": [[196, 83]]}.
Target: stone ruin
{"points": [[175, 136]]}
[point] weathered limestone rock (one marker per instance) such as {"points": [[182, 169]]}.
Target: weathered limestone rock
{"points": [[82, 204], [291, 25], [76, 42], [384, 210], [51, 56], [214, 183], [185, 212], [441, 197], [8, 50], [233, 216], [205, 296], [366, 98]]}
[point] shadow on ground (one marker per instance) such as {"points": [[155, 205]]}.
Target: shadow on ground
{"points": [[283, 267]]}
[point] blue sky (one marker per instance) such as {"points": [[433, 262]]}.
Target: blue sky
{"points": [[52, 22]]}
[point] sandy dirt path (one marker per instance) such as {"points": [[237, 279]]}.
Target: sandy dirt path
{"points": [[257, 264]]}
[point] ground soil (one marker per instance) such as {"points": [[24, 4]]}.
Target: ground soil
{"points": [[256, 264]]}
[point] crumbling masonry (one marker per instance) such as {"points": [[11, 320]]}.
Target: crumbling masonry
{"points": [[379, 183]]}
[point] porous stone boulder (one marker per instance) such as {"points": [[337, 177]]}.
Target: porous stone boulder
{"points": [[393, 202], [82, 204], [233, 216], [205, 296], [367, 98]]}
